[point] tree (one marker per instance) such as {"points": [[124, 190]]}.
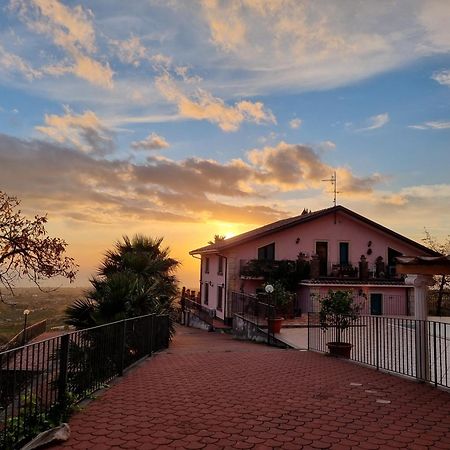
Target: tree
{"points": [[217, 239], [441, 280], [134, 278], [26, 249]]}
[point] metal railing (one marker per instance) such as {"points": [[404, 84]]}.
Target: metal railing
{"points": [[25, 335], [205, 314], [257, 312], [40, 381], [414, 348]]}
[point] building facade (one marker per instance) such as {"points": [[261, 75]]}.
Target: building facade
{"points": [[334, 248]]}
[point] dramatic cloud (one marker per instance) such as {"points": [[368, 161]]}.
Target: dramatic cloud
{"points": [[291, 166], [77, 185], [432, 125], [442, 77], [84, 131], [374, 122], [151, 142], [295, 123], [202, 105], [70, 29]]}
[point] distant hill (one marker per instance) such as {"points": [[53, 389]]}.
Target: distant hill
{"points": [[43, 305]]}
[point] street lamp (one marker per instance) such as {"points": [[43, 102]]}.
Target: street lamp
{"points": [[25, 316], [269, 290]]}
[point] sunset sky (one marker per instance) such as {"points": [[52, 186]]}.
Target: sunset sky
{"points": [[186, 119]]}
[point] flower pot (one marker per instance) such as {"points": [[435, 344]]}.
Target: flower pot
{"points": [[340, 349], [275, 324]]}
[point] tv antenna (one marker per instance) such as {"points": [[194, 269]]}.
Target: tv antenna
{"points": [[333, 181]]}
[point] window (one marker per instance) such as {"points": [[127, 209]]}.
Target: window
{"points": [[219, 297], [206, 294], [267, 252], [343, 254], [220, 269], [206, 265]]}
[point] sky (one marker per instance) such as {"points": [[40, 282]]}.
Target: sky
{"points": [[185, 119]]}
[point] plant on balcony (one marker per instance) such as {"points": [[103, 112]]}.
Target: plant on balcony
{"points": [[338, 310]]}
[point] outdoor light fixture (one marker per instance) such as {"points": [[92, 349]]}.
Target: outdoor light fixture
{"points": [[268, 288], [25, 316]]}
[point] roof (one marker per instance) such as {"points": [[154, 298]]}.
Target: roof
{"points": [[296, 220], [425, 265]]}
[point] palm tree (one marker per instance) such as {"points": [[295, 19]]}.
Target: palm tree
{"points": [[217, 239], [136, 277]]}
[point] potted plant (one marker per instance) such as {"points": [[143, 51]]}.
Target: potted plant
{"points": [[278, 297], [338, 310]]}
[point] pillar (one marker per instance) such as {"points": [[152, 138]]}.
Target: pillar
{"points": [[420, 284]]}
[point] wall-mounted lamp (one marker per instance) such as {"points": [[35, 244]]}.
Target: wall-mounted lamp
{"points": [[211, 284]]}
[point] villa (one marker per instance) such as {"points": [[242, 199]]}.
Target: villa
{"points": [[334, 248]]}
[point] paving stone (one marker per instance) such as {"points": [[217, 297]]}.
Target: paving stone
{"points": [[210, 391]]}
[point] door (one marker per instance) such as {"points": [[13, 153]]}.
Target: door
{"points": [[322, 252], [376, 304], [343, 254]]}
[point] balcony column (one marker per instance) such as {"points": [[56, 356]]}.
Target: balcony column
{"points": [[420, 284]]}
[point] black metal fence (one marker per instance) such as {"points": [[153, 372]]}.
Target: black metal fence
{"points": [[205, 314], [256, 311], [40, 381], [414, 348]]}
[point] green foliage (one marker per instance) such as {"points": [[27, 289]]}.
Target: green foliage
{"points": [[135, 278], [338, 310], [33, 420]]}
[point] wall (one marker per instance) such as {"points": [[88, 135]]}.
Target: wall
{"points": [[346, 229], [394, 299], [213, 279]]}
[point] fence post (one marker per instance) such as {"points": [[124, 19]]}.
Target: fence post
{"points": [[309, 331], [122, 346], [63, 369], [150, 336], [435, 354], [377, 341]]}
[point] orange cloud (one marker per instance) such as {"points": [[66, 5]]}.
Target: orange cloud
{"points": [[202, 105]]}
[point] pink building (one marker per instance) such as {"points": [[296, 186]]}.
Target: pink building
{"points": [[334, 248]]}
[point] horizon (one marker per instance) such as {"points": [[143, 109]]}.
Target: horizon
{"points": [[190, 119]]}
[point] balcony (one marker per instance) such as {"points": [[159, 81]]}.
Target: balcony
{"points": [[263, 269]]}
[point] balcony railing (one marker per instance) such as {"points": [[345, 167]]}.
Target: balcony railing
{"points": [[353, 271], [264, 269]]}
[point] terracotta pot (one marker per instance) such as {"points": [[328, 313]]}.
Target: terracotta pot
{"points": [[275, 324], [340, 349]]}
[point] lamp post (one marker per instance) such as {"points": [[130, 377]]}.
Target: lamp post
{"points": [[24, 334], [269, 290]]}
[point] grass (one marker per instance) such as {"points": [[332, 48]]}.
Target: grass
{"points": [[43, 305]]}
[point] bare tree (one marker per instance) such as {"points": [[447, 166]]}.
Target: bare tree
{"points": [[440, 280], [26, 249]]}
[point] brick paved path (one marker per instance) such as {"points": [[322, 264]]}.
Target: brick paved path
{"points": [[208, 391]]}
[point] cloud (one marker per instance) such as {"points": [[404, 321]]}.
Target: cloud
{"points": [[295, 123], [130, 51], [151, 142], [14, 63], [70, 29], [75, 184], [202, 105], [442, 77], [295, 166], [85, 131], [375, 122], [432, 125]]}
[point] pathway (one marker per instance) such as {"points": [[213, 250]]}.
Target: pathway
{"points": [[209, 391]]}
